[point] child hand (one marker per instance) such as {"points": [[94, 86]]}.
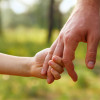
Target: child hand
{"points": [[37, 64], [57, 67], [25, 66]]}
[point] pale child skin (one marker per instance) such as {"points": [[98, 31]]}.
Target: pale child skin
{"points": [[29, 66]]}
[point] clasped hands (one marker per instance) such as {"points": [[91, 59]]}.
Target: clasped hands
{"points": [[82, 26]]}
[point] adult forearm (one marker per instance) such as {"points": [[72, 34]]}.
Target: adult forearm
{"points": [[12, 65]]}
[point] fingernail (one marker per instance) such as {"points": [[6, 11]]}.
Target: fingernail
{"points": [[48, 80], [90, 64]]}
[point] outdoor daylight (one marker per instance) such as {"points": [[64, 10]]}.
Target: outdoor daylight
{"points": [[49, 50]]}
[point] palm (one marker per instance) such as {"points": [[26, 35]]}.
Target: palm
{"points": [[38, 62]]}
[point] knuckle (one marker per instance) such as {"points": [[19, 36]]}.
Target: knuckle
{"points": [[66, 37], [70, 57], [50, 52], [70, 39], [91, 56], [68, 64], [61, 37]]}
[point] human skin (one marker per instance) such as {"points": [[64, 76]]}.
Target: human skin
{"points": [[83, 26], [29, 66]]}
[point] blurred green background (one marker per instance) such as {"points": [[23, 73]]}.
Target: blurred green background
{"points": [[25, 29]]}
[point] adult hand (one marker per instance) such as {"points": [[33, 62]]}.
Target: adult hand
{"points": [[82, 26]]}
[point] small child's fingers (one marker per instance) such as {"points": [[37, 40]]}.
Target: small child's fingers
{"points": [[55, 74], [50, 77], [55, 66], [57, 60]]}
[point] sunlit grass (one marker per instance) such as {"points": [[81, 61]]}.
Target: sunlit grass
{"points": [[26, 42]]}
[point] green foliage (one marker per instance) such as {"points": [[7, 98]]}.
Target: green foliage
{"points": [[26, 42], [83, 83], [37, 15]]}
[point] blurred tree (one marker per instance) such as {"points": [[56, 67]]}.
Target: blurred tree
{"points": [[43, 14], [57, 15], [7, 14], [51, 15], [35, 16], [0, 18]]}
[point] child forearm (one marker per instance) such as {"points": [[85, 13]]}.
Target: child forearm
{"points": [[12, 65]]}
